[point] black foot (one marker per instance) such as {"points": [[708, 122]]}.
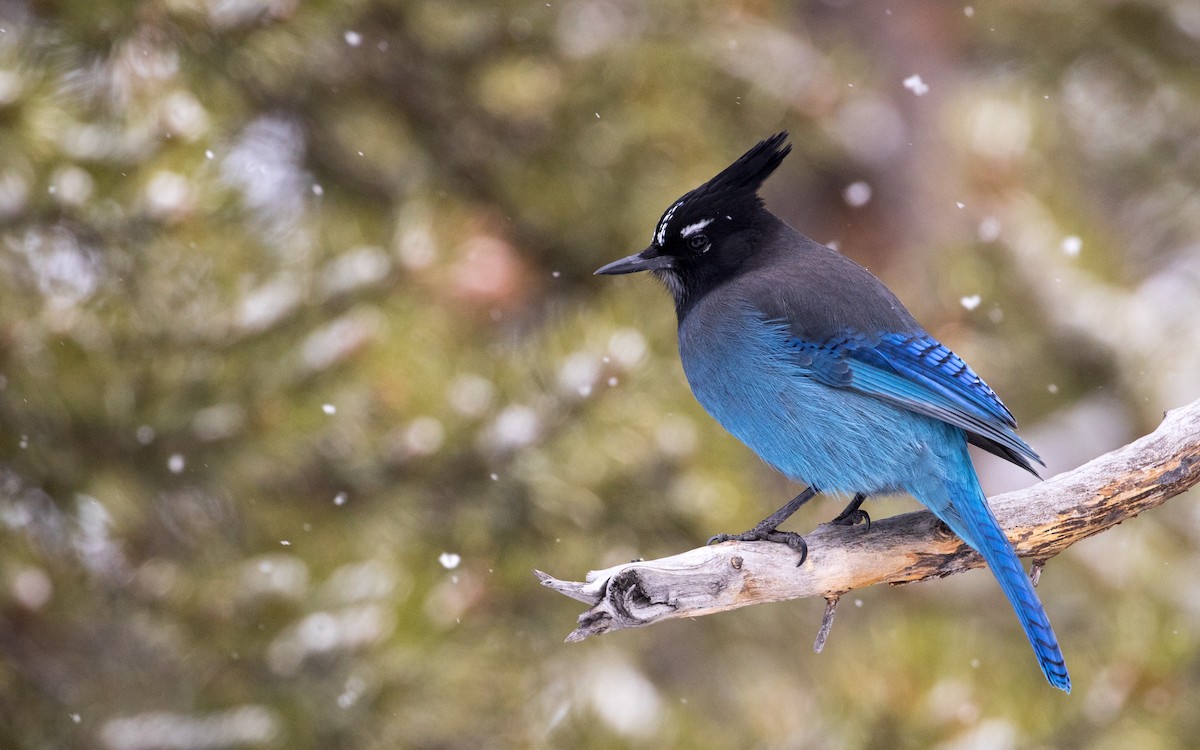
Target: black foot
{"points": [[852, 514], [767, 530], [757, 534]]}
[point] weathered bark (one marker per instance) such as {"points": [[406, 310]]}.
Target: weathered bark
{"points": [[1041, 521]]}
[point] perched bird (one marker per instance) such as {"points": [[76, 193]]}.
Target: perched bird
{"points": [[815, 365]]}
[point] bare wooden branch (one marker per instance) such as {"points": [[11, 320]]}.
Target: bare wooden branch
{"points": [[1041, 521]]}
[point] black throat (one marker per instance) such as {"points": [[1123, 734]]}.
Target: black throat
{"points": [[692, 279]]}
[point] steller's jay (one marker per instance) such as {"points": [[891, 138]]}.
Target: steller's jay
{"points": [[814, 364]]}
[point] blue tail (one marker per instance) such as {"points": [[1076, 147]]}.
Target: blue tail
{"points": [[970, 517]]}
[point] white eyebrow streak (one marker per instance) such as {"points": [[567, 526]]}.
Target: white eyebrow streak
{"points": [[660, 236], [691, 229]]}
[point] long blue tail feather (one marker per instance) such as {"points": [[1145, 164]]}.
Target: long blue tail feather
{"points": [[970, 517]]}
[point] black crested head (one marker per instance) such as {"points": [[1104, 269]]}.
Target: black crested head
{"points": [[730, 196], [706, 236]]}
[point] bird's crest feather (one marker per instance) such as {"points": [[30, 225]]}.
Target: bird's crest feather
{"points": [[736, 185], [747, 174]]}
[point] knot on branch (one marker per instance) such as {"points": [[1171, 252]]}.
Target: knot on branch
{"points": [[631, 597], [627, 600]]}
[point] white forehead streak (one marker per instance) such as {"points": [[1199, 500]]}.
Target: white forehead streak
{"points": [[660, 235], [691, 229]]}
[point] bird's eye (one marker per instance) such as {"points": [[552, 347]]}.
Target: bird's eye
{"points": [[698, 242]]}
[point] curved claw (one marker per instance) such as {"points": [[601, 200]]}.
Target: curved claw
{"points": [[852, 514], [852, 518], [793, 540], [790, 538], [767, 529]]}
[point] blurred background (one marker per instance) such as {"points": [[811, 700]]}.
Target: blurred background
{"points": [[303, 369]]}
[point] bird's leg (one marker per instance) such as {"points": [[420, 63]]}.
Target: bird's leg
{"points": [[766, 530], [852, 515]]}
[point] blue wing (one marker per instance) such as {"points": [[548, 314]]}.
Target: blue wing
{"points": [[915, 372]]}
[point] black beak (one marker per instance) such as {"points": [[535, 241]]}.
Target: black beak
{"points": [[647, 260]]}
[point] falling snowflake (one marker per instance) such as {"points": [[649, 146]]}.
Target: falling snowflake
{"points": [[914, 84]]}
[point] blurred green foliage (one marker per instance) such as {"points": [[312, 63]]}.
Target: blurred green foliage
{"points": [[303, 370]]}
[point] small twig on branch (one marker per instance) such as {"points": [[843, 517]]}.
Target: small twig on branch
{"points": [[1041, 521], [831, 603], [1035, 571]]}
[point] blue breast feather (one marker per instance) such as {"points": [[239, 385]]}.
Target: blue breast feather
{"points": [[746, 375], [854, 413]]}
